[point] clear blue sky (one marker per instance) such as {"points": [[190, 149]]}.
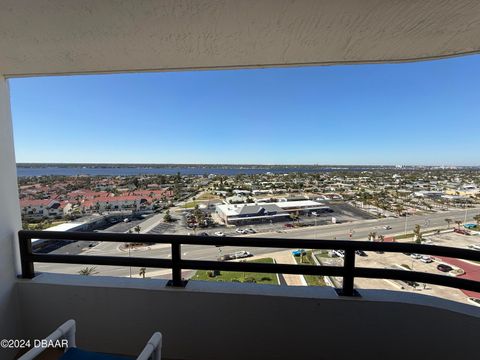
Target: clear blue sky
{"points": [[419, 113]]}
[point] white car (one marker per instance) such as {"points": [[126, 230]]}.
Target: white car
{"points": [[339, 253], [242, 254], [474, 247], [426, 259], [219, 233], [416, 256], [387, 227], [241, 231]]}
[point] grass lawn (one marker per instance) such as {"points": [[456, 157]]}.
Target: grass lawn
{"points": [[207, 196], [190, 205], [404, 236], [312, 280], [232, 276]]}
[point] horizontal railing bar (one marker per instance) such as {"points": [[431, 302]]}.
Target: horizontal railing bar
{"points": [[422, 277], [466, 254], [102, 260], [189, 264], [263, 267]]}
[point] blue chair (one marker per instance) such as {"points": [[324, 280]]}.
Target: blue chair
{"points": [[66, 332]]}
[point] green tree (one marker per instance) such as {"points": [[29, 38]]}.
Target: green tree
{"points": [[167, 217], [477, 219], [137, 229]]}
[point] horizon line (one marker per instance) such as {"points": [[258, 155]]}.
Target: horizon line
{"points": [[240, 164]]}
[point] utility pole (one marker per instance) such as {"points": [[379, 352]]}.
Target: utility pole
{"points": [[129, 258]]}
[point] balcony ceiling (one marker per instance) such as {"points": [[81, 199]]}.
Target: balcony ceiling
{"points": [[84, 36]]}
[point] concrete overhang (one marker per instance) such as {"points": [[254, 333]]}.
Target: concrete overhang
{"points": [[88, 36]]}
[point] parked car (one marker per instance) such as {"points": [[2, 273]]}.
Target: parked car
{"points": [[251, 231], [126, 220], [288, 225], [387, 227], [203, 234], [226, 257], [219, 233], [474, 247], [412, 283], [314, 213], [361, 253], [241, 231], [426, 259], [299, 252], [461, 231], [339, 253], [416, 256], [444, 267]]}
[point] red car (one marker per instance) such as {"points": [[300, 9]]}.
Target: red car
{"points": [[288, 225], [461, 231]]}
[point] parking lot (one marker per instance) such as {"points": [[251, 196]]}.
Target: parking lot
{"points": [[342, 212], [415, 263]]}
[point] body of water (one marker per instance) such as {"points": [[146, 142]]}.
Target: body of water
{"points": [[130, 171]]}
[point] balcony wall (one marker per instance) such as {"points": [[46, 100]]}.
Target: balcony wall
{"points": [[248, 321], [9, 221]]}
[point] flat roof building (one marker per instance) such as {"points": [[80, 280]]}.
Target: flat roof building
{"points": [[246, 213]]}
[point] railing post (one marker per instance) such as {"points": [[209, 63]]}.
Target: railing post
{"points": [[349, 266], [176, 266], [28, 270]]}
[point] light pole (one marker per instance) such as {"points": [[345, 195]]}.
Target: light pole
{"points": [[465, 220], [405, 223], [130, 266]]}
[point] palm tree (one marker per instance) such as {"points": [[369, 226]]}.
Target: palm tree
{"points": [[418, 234], [477, 219], [137, 229], [449, 221], [142, 272], [88, 271]]}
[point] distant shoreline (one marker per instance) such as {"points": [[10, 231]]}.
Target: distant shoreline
{"points": [[230, 166], [38, 170]]}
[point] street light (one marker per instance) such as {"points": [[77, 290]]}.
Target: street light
{"points": [[405, 223]]}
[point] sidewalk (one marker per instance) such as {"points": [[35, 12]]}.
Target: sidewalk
{"points": [[286, 257]]}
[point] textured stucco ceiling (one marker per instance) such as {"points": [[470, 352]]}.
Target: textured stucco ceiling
{"points": [[81, 36]]}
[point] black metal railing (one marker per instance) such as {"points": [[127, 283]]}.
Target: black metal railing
{"points": [[348, 271]]}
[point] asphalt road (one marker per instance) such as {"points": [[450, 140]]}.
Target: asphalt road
{"points": [[359, 229]]}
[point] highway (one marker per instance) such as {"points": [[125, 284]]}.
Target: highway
{"points": [[359, 231]]}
